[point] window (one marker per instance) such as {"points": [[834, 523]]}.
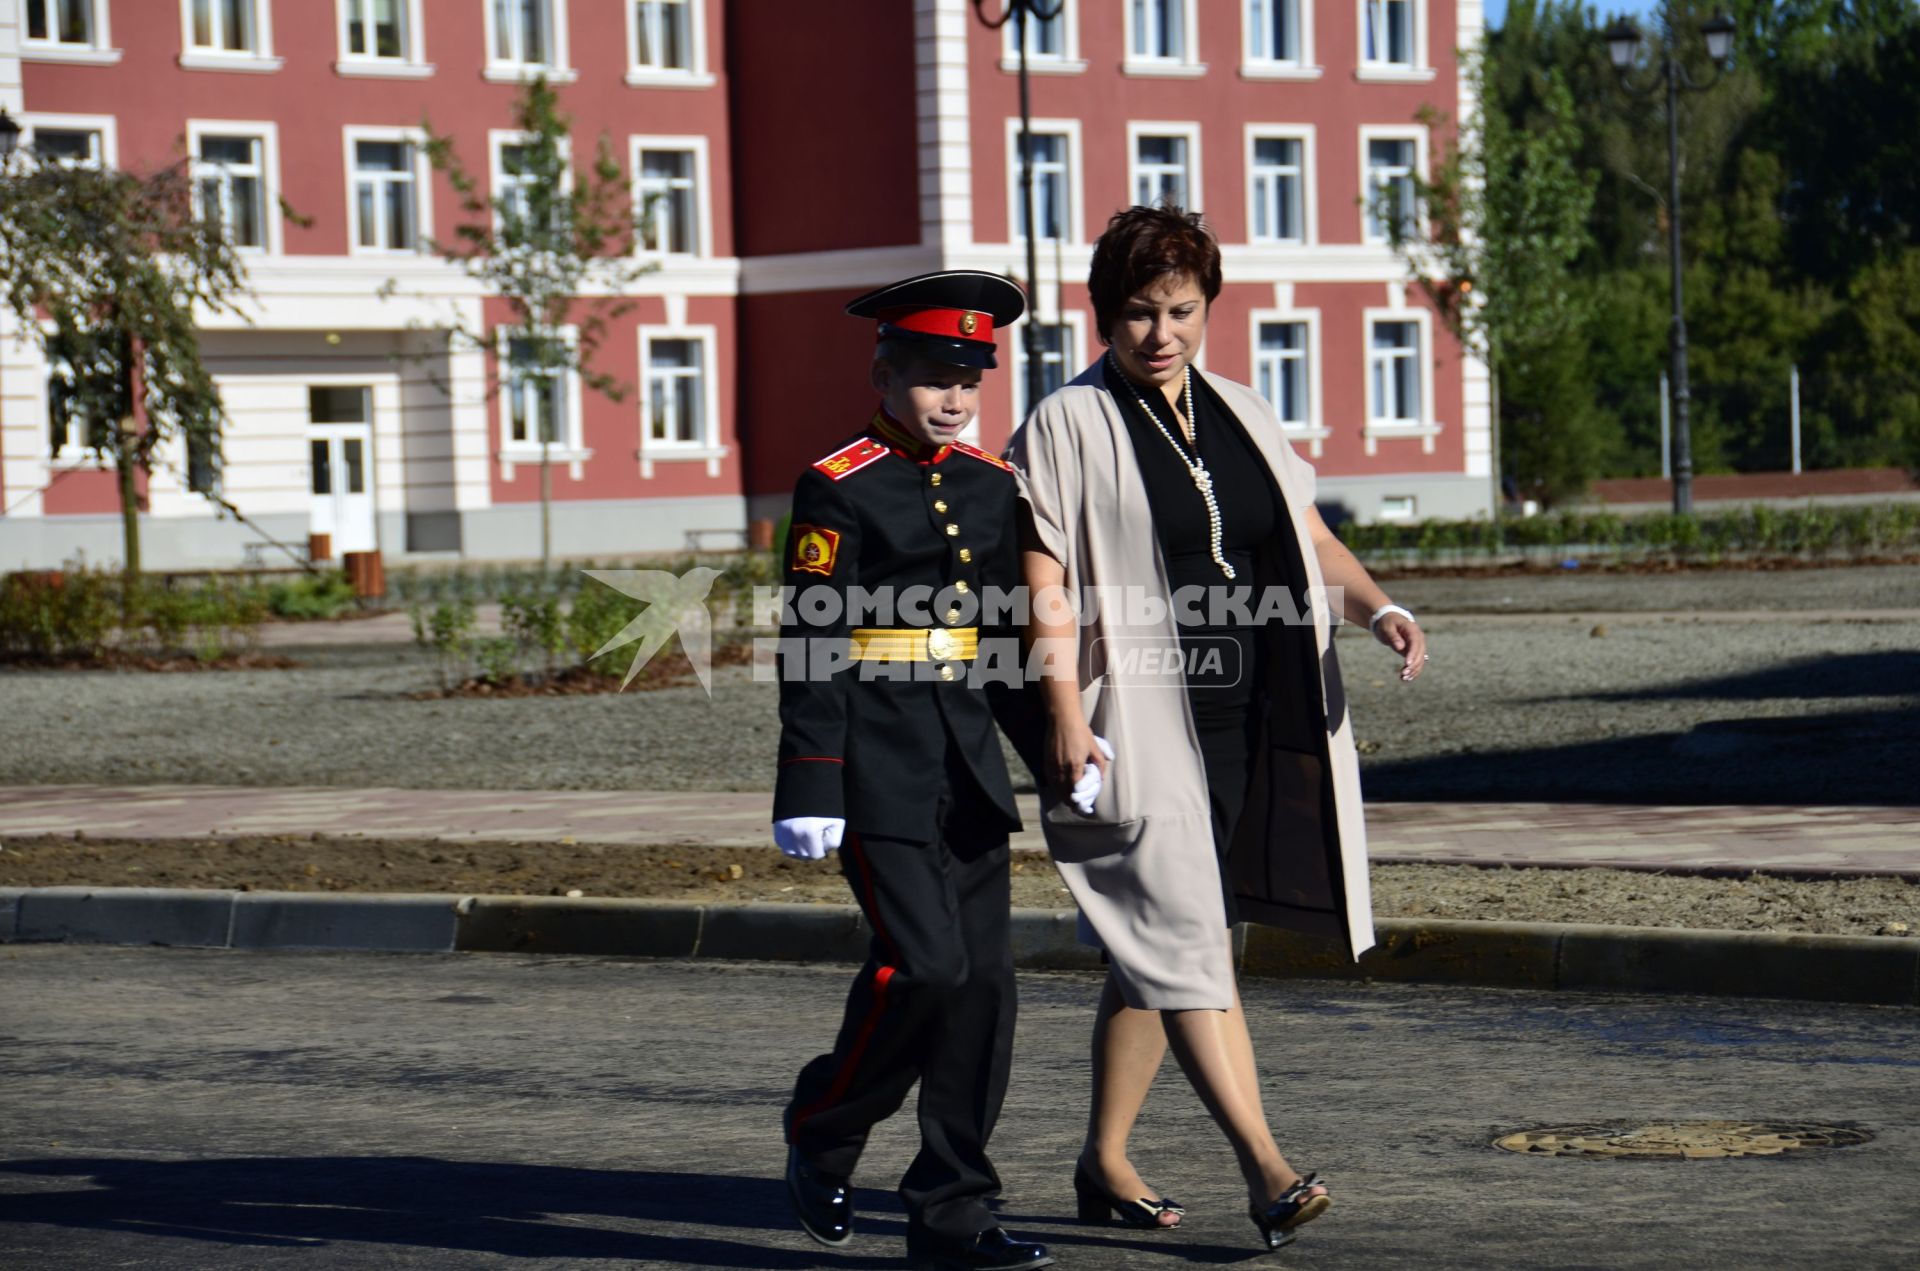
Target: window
{"points": [[1391, 163], [676, 414], [1281, 369], [669, 201], [1397, 507], [1387, 37], [663, 35], [225, 26], [1159, 29], [1393, 374], [203, 463], [376, 29], [71, 435], [536, 407], [1279, 190], [1053, 44], [526, 37], [1048, 154], [69, 147], [1274, 32], [1165, 165], [386, 195], [68, 22], [229, 186], [518, 188], [1059, 358]]}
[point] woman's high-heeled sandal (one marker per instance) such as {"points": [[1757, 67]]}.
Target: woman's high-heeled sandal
{"points": [[1301, 1203], [1098, 1206]]}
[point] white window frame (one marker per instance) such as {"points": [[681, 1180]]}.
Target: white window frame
{"points": [[1136, 129], [702, 192], [694, 76], [1368, 135], [258, 59], [1313, 430], [1076, 227], [69, 454], [1255, 64], [1066, 62], [1420, 71], [708, 449], [560, 70], [105, 125], [412, 62], [1186, 66], [1309, 184], [1073, 354], [497, 141], [568, 448], [98, 51], [350, 138], [1397, 516], [268, 134], [1427, 427]]}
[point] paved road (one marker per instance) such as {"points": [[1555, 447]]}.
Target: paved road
{"points": [[178, 1110], [1836, 839]]}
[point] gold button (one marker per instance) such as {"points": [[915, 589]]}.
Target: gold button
{"points": [[961, 587], [939, 505], [946, 672], [966, 554], [933, 478], [953, 614], [952, 529]]}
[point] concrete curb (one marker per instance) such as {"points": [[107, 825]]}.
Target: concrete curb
{"points": [[1873, 970]]}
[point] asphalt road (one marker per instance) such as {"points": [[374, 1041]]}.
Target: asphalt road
{"points": [[170, 1109]]}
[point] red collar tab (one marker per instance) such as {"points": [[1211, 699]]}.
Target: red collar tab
{"points": [[907, 447], [986, 455], [953, 324]]}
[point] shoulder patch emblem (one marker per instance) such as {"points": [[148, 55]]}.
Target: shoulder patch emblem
{"points": [[814, 549], [978, 453], [851, 457]]}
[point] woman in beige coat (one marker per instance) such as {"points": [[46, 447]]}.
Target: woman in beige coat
{"points": [[1172, 543]]}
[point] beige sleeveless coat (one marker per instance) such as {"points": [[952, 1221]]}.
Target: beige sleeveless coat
{"points": [[1142, 868]]}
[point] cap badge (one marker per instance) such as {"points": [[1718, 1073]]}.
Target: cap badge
{"points": [[969, 323]]}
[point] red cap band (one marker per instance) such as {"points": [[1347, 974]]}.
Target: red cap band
{"points": [[956, 324]]}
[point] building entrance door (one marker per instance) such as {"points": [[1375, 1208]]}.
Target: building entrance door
{"points": [[340, 466]]}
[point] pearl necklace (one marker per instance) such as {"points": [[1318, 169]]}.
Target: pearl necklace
{"points": [[1196, 467]]}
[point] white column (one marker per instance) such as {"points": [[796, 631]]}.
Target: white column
{"points": [[946, 151]]}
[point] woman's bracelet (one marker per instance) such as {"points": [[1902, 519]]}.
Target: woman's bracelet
{"points": [[1374, 622]]}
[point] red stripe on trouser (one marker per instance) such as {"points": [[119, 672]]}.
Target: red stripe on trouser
{"points": [[844, 1078]]}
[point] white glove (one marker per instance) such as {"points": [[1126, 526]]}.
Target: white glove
{"points": [[808, 838], [1087, 789]]}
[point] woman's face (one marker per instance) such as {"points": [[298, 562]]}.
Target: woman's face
{"points": [[1159, 330]]}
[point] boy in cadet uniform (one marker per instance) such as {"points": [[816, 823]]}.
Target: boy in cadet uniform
{"points": [[894, 761]]}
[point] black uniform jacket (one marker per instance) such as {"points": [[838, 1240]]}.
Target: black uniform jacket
{"points": [[871, 741]]}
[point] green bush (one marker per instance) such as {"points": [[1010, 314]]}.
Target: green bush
{"points": [[88, 613], [325, 595]]}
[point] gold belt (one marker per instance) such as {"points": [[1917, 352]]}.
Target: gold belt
{"points": [[915, 644]]}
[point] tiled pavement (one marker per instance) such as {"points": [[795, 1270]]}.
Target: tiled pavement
{"points": [[1836, 840]]}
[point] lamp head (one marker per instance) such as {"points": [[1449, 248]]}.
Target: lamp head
{"points": [[1719, 31], [9, 135], [1623, 44]]}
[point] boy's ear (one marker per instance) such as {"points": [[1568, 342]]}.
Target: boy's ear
{"points": [[880, 375]]}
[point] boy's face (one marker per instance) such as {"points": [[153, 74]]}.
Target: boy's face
{"points": [[932, 400]]}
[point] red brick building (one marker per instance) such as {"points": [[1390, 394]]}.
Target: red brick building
{"points": [[802, 153]]}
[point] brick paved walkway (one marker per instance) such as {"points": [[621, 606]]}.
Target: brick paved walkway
{"points": [[1817, 839]]}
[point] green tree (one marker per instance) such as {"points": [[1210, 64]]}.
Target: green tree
{"points": [[1506, 217], [557, 245], [106, 269]]}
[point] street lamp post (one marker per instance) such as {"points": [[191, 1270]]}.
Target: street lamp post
{"points": [[1623, 47], [9, 136], [1020, 13]]}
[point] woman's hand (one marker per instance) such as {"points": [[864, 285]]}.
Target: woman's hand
{"points": [[1071, 746], [1403, 635]]}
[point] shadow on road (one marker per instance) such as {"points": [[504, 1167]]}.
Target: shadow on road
{"points": [[430, 1204], [1846, 757], [1886, 674]]}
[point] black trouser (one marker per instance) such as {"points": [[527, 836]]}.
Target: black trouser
{"points": [[934, 1003]]}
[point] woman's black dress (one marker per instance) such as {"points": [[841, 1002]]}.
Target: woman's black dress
{"points": [[1225, 655]]}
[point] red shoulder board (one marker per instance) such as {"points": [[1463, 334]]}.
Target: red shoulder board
{"points": [[978, 453], [851, 457]]}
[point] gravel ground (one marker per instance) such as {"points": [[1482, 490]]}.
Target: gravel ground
{"points": [[1644, 710], [1573, 590], [1858, 906]]}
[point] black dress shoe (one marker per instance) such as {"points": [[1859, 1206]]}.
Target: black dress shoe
{"points": [[820, 1201], [990, 1250]]}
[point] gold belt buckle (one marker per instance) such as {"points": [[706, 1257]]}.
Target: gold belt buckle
{"points": [[941, 644]]}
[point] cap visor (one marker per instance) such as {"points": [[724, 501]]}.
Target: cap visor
{"points": [[978, 354]]}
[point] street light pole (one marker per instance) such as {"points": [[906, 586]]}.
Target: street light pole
{"points": [[1623, 44], [1020, 13]]}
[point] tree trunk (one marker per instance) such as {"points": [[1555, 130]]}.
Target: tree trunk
{"points": [[129, 503]]}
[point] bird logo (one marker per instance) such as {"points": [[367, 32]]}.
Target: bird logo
{"points": [[674, 604]]}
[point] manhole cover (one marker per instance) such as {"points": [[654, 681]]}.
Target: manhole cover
{"points": [[1681, 1140]]}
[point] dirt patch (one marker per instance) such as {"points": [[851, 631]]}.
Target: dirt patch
{"points": [[1860, 906], [121, 660]]}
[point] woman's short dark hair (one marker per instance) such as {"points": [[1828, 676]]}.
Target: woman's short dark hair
{"points": [[1142, 245]]}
